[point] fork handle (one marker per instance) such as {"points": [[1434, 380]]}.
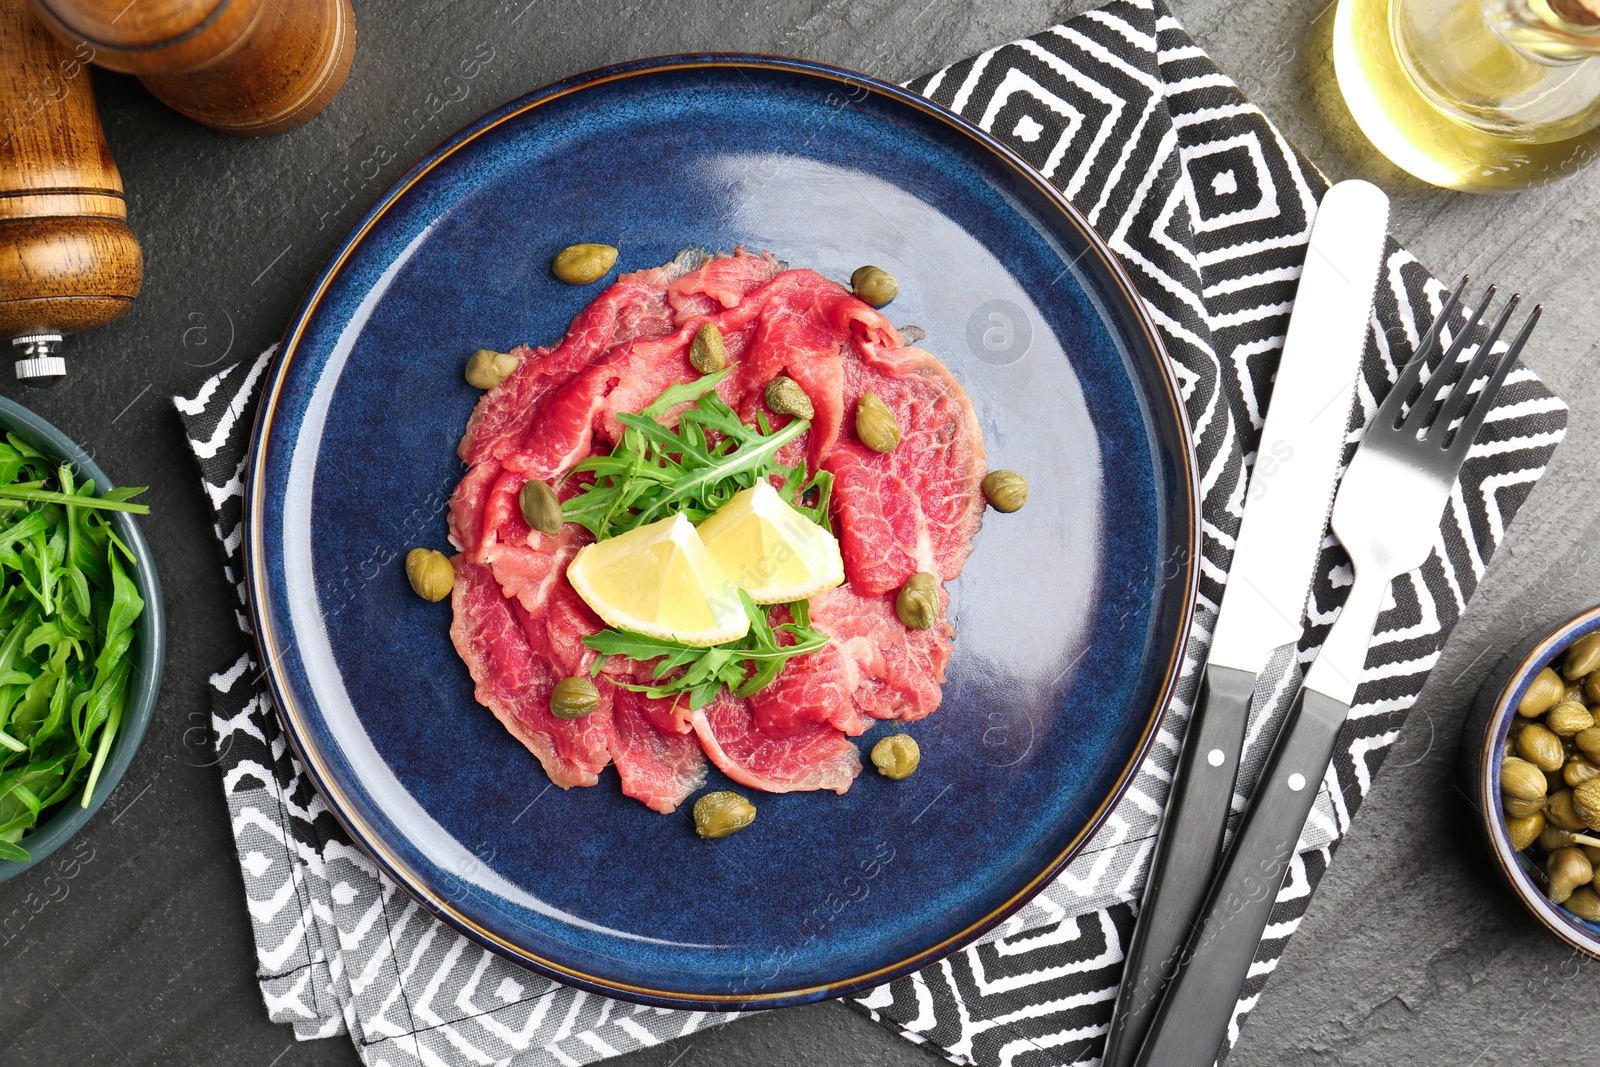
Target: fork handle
{"points": [[1192, 1021], [1340, 660], [1186, 853]]}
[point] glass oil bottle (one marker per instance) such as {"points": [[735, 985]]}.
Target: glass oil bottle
{"points": [[1477, 95]]}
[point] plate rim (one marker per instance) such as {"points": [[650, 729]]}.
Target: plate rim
{"points": [[267, 642]]}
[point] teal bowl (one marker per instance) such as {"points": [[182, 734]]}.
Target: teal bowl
{"points": [[1483, 742], [68, 817]]}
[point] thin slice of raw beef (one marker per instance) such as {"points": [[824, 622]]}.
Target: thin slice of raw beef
{"points": [[515, 684], [916, 508], [722, 282], [670, 715], [874, 666], [636, 305], [808, 329], [660, 769], [813, 757], [514, 681]]}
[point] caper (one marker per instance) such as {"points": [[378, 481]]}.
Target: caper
{"points": [[918, 602], [1589, 850], [1591, 687], [1588, 741], [1562, 809], [896, 756], [430, 573], [1574, 692], [1006, 490], [785, 397], [1524, 831], [1568, 719], [488, 368], [722, 813], [1517, 808], [1565, 870], [1584, 903], [582, 264], [875, 423], [1583, 657], [1553, 837], [1540, 747], [1544, 692], [573, 698], [874, 285], [1521, 779], [1579, 769], [1586, 802], [707, 353], [540, 508]]}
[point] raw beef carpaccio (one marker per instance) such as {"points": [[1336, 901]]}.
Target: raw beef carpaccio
{"points": [[519, 625]]}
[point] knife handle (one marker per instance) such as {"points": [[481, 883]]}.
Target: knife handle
{"points": [[1186, 852], [1192, 1021]]}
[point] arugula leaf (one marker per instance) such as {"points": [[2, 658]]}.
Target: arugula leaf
{"points": [[693, 468], [745, 666], [67, 612]]}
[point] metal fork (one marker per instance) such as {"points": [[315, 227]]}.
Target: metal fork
{"points": [[1386, 516]]}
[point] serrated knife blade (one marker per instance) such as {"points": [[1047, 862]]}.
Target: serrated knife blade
{"points": [[1286, 506]]}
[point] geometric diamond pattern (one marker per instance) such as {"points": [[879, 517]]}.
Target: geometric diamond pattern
{"points": [[1209, 210]]}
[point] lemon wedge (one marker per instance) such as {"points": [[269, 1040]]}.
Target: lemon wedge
{"points": [[771, 550], [660, 581]]}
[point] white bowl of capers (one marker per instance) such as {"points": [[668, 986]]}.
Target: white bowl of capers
{"points": [[1531, 755]]}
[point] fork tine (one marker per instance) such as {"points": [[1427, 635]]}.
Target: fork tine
{"points": [[1389, 411], [1473, 422], [1424, 403], [1463, 387]]}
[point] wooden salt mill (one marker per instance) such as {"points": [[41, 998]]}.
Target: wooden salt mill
{"points": [[238, 66], [68, 261]]}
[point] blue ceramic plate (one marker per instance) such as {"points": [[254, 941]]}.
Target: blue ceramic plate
{"points": [[1071, 613]]}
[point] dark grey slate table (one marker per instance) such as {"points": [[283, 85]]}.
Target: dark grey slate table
{"points": [[1411, 951]]}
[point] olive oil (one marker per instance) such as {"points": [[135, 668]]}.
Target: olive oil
{"points": [[1478, 95]]}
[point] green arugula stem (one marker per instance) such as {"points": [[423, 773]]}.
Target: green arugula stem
{"points": [[749, 459], [46, 496], [692, 468]]}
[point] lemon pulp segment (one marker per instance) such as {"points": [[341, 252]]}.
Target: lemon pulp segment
{"points": [[659, 580], [770, 550]]}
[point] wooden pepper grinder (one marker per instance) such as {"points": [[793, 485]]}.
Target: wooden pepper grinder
{"points": [[239, 66], [68, 261]]}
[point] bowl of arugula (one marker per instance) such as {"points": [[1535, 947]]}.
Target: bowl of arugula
{"points": [[82, 635]]}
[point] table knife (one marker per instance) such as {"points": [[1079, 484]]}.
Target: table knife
{"points": [[1285, 513]]}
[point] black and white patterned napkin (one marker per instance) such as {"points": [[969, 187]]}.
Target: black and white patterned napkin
{"points": [[1210, 210]]}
